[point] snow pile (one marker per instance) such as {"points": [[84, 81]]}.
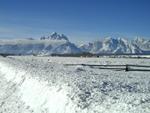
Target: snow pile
{"points": [[35, 94], [40, 97]]}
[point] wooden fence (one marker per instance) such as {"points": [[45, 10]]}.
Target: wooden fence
{"points": [[127, 67]]}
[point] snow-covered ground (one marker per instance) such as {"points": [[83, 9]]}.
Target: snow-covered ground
{"points": [[45, 85]]}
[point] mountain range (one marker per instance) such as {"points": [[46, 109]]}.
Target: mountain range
{"points": [[59, 44]]}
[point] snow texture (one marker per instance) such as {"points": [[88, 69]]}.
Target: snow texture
{"points": [[45, 85]]}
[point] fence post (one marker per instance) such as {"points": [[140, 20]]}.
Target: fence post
{"points": [[127, 68]]}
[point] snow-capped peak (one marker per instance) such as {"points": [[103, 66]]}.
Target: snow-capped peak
{"points": [[55, 36], [59, 43], [139, 40], [111, 45]]}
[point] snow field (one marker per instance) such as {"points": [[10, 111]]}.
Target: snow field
{"points": [[45, 85]]}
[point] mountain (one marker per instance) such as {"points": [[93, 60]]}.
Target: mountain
{"points": [[143, 44], [112, 45], [55, 36], [55, 44], [59, 44]]}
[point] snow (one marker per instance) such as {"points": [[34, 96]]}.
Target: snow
{"points": [[114, 45], [40, 97], [55, 36], [59, 44], [25, 46], [45, 85]]}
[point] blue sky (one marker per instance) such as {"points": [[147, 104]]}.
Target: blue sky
{"points": [[81, 20]]}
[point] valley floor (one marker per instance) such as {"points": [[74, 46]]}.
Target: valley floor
{"points": [[31, 84]]}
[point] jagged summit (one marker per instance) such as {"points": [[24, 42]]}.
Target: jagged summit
{"points": [[59, 43], [113, 45], [142, 43], [139, 39], [55, 36]]}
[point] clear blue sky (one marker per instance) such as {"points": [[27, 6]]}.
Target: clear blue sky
{"points": [[81, 20]]}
